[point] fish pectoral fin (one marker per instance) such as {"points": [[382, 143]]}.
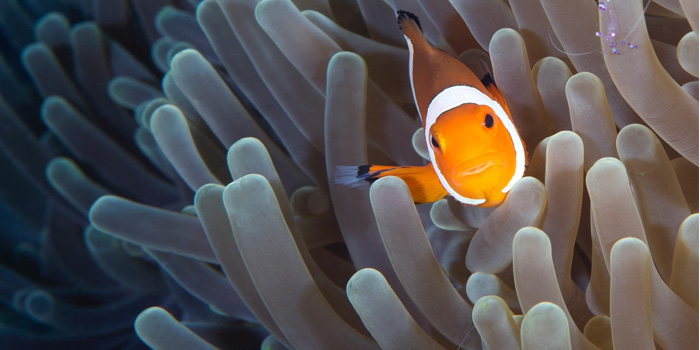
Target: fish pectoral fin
{"points": [[422, 181], [424, 184]]}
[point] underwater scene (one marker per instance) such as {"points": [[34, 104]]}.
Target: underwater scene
{"points": [[349, 174]]}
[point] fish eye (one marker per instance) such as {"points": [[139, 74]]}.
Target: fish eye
{"points": [[434, 142], [488, 121]]}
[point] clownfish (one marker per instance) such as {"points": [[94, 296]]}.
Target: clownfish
{"points": [[476, 153]]}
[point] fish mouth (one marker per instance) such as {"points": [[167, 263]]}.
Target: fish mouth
{"points": [[477, 165]]}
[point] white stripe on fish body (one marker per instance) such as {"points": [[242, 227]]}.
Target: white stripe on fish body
{"points": [[410, 74], [456, 96]]}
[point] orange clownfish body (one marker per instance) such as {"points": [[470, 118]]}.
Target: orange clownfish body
{"points": [[476, 154]]}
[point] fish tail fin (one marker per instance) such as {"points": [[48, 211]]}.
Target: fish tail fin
{"points": [[409, 24], [422, 181]]}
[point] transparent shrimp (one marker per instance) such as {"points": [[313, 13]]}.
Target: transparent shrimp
{"points": [[610, 31]]}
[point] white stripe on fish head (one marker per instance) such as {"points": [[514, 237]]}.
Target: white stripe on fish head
{"points": [[455, 96]]}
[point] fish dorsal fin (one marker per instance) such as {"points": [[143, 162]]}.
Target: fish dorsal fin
{"points": [[490, 85], [478, 62]]}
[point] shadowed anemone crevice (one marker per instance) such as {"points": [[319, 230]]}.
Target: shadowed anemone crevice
{"points": [[168, 178]]}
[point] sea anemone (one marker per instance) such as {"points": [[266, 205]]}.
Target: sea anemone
{"points": [[169, 166]]}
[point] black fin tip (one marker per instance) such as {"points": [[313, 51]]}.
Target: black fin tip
{"points": [[488, 80], [401, 16]]}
